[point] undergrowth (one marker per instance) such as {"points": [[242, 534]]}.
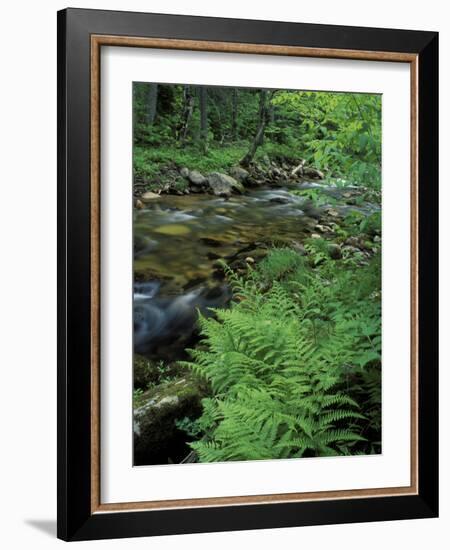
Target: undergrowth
{"points": [[294, 364], [151, 163]]}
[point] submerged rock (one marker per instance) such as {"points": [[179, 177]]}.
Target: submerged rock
{"points": [[157, 440], [173, 229], [279, 200], [149, 196]]}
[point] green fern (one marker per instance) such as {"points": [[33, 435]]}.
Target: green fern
{"points": [[288, 365]]}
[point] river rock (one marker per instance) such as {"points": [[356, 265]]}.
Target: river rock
{"points": [[298, 170], [223, 185], [299, 248], [149, 196], [309, 172], [175, 229], [332, 212], [334, 251], [184, 172], [352, 251], [196, 178], [239, 174], [156, 437], [353, 241]]}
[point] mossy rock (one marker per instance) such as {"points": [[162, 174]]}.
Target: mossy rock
{"points": [[157, 440]]}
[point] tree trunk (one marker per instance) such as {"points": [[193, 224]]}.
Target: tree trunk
{"points": [[188, 109], [272, 113], [204, 117], [263, 118], [152, 103], [234, 115]]}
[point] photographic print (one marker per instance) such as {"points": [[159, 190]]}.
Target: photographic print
{"points": [[247, 266], [257, 273]]}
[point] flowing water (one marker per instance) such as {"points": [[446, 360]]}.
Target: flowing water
{"points": [[178, 242]]}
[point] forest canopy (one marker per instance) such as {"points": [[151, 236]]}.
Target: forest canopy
{"points": [[213, 128]]}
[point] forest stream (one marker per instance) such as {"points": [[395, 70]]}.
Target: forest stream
{"points": [[180, 241], [257, 273]]}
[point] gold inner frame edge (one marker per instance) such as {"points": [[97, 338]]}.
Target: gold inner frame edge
{"points": [[97, 41]]}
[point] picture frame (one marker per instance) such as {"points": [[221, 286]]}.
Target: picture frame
{"points": [[81, 36]]}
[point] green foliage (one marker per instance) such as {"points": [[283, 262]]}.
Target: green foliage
{"points": [[149, 163], [137, 393], [356, 223], [317, 250], [316, 195], [293, 364], [340, 133], [188, 425]]}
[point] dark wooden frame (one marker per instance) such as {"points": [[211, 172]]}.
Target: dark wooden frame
{"points": [[81, 33]]}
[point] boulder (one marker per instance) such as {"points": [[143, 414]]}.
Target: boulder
{"points": [[334, 251], [239, 174], [184, 172], [196, 178], [309, 172], [299, 248], [223, 185], [353, 241], [149, 196], [157, 440]]}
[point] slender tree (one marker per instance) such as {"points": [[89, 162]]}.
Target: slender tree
{"points": [[234, 114], [152, 103], [188, 109], [204, 117], [263, 118]]}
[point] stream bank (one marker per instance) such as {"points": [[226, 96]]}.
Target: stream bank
{"points": [[180, 242]]}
